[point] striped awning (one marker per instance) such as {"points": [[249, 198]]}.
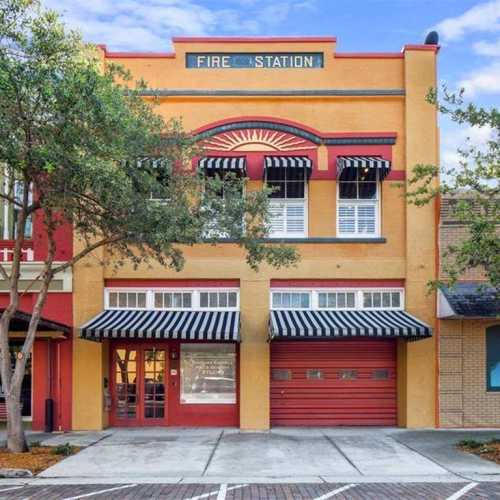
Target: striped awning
{"points": [[307, 324], [287, 162], [363, 162], [147, 324], [237, 164]]}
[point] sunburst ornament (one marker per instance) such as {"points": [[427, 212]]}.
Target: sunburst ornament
{"points": [[256, 140]]}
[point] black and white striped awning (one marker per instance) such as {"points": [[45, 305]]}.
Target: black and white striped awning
{"points": [[363, 162], [307, 324], [237, 164], [287, 162], [144, 324]]}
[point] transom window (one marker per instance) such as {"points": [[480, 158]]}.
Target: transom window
{"points": [[172, 299], [291, 300], [354, 299], [127, 300], [385, 300], [336, 300], [288, 204], [358, 203], [218, 299]]}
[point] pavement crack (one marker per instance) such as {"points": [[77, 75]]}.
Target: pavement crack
{"points": [[335, 445], [428, 458], [209, 461]]}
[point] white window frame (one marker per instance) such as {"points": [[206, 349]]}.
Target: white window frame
{"points": [[212, 233], [195, 298], [358, 298], [290, 290], [377, 202], [284, 202]]}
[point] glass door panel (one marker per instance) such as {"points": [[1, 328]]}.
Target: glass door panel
{"points": [[126, 384], [154, 383], [139, 386]]}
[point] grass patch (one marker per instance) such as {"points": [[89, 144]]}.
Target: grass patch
{"points": [[37, 459]]}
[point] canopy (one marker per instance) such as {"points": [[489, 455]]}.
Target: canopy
{"points": [[363, 162], [306, 324], [237, 164], [287, 162], [155, 324]]}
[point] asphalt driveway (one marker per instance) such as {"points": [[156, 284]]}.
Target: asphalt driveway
{"points": [[281, 455]]}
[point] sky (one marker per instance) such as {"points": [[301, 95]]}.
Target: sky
{"points": [[469, 33]]}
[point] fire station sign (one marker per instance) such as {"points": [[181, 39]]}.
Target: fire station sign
{"points": [[271, 60]]}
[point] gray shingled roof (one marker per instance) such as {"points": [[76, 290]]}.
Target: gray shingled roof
{"points": [[473, 299]]}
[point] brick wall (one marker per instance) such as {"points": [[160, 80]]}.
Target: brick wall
{"points": [[451, 234], [464, 400]]}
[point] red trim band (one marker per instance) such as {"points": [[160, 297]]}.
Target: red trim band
{"points": [[337, 283], [253, 39], [130, 282], [433, 48], [369, 55]]}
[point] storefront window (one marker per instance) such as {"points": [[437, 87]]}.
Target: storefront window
{"points": [[493, 358], [208, 374]]}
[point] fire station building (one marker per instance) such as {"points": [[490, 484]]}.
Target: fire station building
{"points": [[347, 337]]}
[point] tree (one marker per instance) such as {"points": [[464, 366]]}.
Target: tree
{"points": [[79, 146], [474, 185]]}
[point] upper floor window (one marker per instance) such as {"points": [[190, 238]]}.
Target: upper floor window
{"points": [[358, 195], [10, 211], [287, 177], [175, 299], [358, 203], [493, 358]]}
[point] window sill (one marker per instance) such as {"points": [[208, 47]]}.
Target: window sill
{"points": [[314, 240]]}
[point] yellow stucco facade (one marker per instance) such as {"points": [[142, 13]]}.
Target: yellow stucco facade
{"points": [[357, 95]]}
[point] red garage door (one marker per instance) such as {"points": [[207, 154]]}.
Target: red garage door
{"points": [[336, 382]]}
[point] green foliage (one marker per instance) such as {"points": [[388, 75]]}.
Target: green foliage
{"points": [[77, 131], [474, 185], [470, 443], [64, 449]]}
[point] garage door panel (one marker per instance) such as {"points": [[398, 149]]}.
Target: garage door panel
{"points": [[355, 384]]}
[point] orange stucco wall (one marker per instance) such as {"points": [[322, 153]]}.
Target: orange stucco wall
{"points": [[407, 254]]}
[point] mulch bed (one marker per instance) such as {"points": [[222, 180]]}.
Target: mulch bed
{"points": [[37, 459], [489, 450]]}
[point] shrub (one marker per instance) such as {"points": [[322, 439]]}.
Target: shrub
{"points": [[64, 449]]}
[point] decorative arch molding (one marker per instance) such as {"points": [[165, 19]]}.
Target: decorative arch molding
{"points": [[306, 133]]}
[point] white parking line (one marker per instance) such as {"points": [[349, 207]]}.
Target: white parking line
{"points": [[332, 493], [221, 492], [14, 488], [100, 492], [462, 492]]}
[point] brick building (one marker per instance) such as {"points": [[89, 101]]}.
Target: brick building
{"points": [[469, 341]]}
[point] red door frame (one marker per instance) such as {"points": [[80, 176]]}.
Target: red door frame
{"points": [[139, 420], [177, 414]]}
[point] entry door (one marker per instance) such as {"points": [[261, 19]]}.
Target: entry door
{"points": [[139, 386]]}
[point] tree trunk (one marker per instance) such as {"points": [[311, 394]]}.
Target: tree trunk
{"points": [[16, 440]]}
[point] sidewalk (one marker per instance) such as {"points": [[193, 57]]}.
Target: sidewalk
{"points": [[333, 455]]}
